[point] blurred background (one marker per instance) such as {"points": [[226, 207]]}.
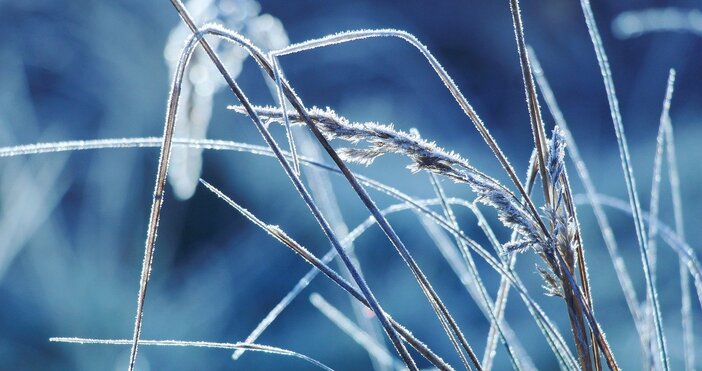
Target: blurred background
{"points": [[72, 225]]}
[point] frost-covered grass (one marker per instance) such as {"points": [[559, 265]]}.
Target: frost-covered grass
{"points": [[546, 225]]}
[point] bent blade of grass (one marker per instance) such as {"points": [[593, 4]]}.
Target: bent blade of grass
{"points": [[361, 337], [350, 36], [240, 40], [301, 190], [442, 312], [628, 176], [159, 190], [265, 64], [195, 344]]}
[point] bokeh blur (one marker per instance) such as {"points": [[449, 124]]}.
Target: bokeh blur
{"points": [[72, 225]]}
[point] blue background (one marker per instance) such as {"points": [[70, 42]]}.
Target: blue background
{"points": [[73, 225]]}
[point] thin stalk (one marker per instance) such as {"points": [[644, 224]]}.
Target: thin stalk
{"points": [[537, 124], [686, 307], [157, 199], [628, 176], [283, 107], [655, 197], [196, 344]]}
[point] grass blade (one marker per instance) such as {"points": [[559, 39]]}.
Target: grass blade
{"points": [[196, 344], [157, 200], [537, 124], [655, 199], [283, 106], [686, 307], [233, 37], [628, 176]]}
